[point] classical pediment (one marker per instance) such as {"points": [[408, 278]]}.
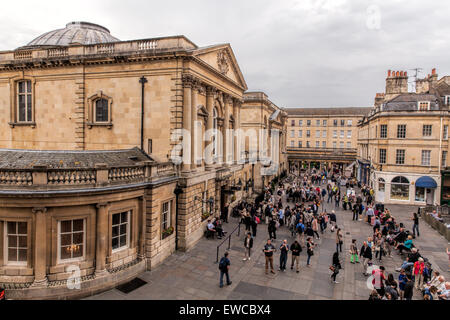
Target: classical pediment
{"points": [[222, 59]]}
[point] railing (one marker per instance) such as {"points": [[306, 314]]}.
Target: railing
{"points": [[71, 177], [165, 168], [126, 174], [52, 53], [16, 178], [238, 229], [21, 55]]}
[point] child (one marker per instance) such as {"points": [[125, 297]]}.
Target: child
{"points": [[402, 282], [354, 252]]}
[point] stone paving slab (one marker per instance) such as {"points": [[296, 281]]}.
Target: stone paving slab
{"points": [[194, 274]]}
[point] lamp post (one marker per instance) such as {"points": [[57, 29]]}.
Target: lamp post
{"points": [[177, 193]]}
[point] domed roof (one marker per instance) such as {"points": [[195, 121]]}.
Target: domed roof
{"points": [[75, 32]]}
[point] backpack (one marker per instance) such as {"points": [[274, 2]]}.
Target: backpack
{"points": [[223, 264]]}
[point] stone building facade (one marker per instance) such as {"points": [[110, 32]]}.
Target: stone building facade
{"points": [[122, 123], [323, 137], [403, 142]]}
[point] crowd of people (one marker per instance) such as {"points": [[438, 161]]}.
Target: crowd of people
{"points": [[303, 195]]}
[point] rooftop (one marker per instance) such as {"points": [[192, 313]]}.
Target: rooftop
{"points": [[357, 111]]}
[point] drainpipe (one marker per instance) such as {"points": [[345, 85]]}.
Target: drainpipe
{"points": [[177, 192], [441, 133], [142, 81]]}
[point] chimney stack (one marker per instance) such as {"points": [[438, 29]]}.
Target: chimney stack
{"points": [[396, 83]]}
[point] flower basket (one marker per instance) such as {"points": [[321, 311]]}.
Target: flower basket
{"points": [[168, 232], [205, 216]]}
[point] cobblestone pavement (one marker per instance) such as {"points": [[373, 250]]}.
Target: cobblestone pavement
{"points": [[194, 275]]}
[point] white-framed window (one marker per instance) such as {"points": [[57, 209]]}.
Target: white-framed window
{"points": [[300, 133], [308, 123], [300, 144], [423, 105], [445, 132], [317, 144], [400, 188], [317, 133], [401, 131], [342, 123], [382, 156], [292, 134], [383, 131], [101, 110], [349, 145], [71, 240], [308, 144], [349, 134], [426, 157], [350, 123], [334, 133], [324, 133], [308, 133], [335, 123], [447, 100], [444, 158], [342, 134], [427, 130], [166, 217], [120, 235], [324, 144], [16, 243], [334, 144], [24, 101], [317, 123], [400, 156], [325, 122], [341, 145], [300, 123]]}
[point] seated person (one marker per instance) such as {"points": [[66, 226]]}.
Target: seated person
{"points": [[407, 245], [211, 228], [434, 281], [410, 259], [218, 227], [400, 237], [445, 293]]}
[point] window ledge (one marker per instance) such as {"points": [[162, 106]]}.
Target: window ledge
{"points": [[109, 125], [22, 124]]}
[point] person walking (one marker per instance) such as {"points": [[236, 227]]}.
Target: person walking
{"points": [[408, 289], [269, 249], [415, 228], [354, 252], [272, 228], [315, 227], [339, 240], [355, 212], [296, 249], [248, 245], [254, 225], [335, 266], [366, 253], [284, 250], [224, 267], [309, 249], [378, 280], [418, 267]]}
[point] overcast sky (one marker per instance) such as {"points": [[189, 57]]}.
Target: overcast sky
{"points": [[302, 53]]}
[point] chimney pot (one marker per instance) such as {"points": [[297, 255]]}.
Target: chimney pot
{"points": [[389, 73], [398, 73], [406, 73], [433, 72]]}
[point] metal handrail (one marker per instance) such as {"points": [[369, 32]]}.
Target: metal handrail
{"points": [[238, 228]]}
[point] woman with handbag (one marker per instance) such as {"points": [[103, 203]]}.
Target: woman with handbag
{"points": [[339, 240], [309, 250], [336, 265]]}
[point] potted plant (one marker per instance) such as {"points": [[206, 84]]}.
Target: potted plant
{"points": [[168, 232]]}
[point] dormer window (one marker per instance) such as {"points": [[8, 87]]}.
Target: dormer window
{"points": [[447, 100], [424, 105]]}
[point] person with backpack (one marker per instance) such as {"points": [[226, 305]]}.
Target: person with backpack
{"points": [[248, 245], [408, 289], [335, 266], [224, 267], [339, 240], [415, 219], [296, 249]]}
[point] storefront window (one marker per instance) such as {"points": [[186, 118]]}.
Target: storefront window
{"points": [[420, 194], [400, 188], [381, 185]]}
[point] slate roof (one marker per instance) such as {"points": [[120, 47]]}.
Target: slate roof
{"points": [[408, 102], [357, 111], [26, 159]]}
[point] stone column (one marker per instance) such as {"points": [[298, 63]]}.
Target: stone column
{"points": [[187, 123], [40, 248], [237, 126], [226, 125], [101, 237], [210, 91], [194, 138]]}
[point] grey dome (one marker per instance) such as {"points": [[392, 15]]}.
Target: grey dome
{"points": [[75, 32]]}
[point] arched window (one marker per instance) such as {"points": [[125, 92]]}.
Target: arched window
{"points": [[101, 110], [400, 188], [381, 184]]}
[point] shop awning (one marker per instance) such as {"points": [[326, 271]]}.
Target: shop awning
{"points": [[426, 182]]}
